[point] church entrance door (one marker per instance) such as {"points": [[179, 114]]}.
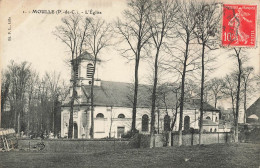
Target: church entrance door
{"points": [[120, 131]]}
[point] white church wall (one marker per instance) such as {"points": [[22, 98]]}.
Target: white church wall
{"points": [[64, 123], [210, 128], [120, 123], [78, 118], [101, 124], [121, 126], [194, 119], [194, 115]]}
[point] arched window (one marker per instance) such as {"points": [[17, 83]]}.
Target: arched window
{"points": [[90, 70], [208, 117], [167, 121], [210, 129], [145, 122], [121, 116], [75, 126], [100, 115], [215, 130], [186, 122], [216, 119]]}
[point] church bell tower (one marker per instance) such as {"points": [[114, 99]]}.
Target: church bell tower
{"points": [[85, 70]]}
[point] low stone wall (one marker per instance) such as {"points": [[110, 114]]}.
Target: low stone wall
{"points": [[66, 145], [146, 142], [206, 138]]}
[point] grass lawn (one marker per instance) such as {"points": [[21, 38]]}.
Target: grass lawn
{"points": [[216, 155]]}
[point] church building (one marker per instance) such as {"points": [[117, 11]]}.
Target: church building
{"points": [[113, 107]]}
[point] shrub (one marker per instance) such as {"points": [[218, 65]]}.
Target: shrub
{"points": [[135, 141], [130, 134]]}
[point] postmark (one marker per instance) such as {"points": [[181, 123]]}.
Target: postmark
{"points": [[239, 25]]}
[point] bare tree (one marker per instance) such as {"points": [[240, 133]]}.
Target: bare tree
{"points": [[229, 89], [99, 38], [161, 21], [238, 56], [186, 24], [135, 31], [192, 89], [73, 33], [19, 77], [5, 83], [206, 28], [31, 90], [53, 84], [215, 87], [168, 92]]}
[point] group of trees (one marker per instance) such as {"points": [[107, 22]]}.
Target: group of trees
{"points": [[169, 33], [179, 36], [30, 104]]}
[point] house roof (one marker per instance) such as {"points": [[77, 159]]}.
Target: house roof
{"points": [[254, 108], [120, 94], [195, 104]]}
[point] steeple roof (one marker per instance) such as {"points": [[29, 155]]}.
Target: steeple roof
{"points": [[87, 56]]}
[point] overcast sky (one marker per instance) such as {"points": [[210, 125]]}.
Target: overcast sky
{"points": [[33, 41]]}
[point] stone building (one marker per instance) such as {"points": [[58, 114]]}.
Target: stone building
{"points": [[113, 107]]}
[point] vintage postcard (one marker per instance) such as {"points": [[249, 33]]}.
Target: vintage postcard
{"points": [[130, 83]]}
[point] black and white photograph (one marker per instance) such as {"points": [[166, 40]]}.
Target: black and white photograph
{"points": [[130, 83]]}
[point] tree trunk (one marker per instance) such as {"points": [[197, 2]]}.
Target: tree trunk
{"points": [[158, 118], [15, 119], [28, 122], [18, 124], [183, 89], [216, 100], [111, 122], [91, 133], [92, 99], [154, 98], [74, 67], [202, 93], [133, 129], [176, 110], [52, 116], [245, 103], [92, 96], [238, 94]]}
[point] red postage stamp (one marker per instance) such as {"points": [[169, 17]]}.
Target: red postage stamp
{"points": [[239, 25]]}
